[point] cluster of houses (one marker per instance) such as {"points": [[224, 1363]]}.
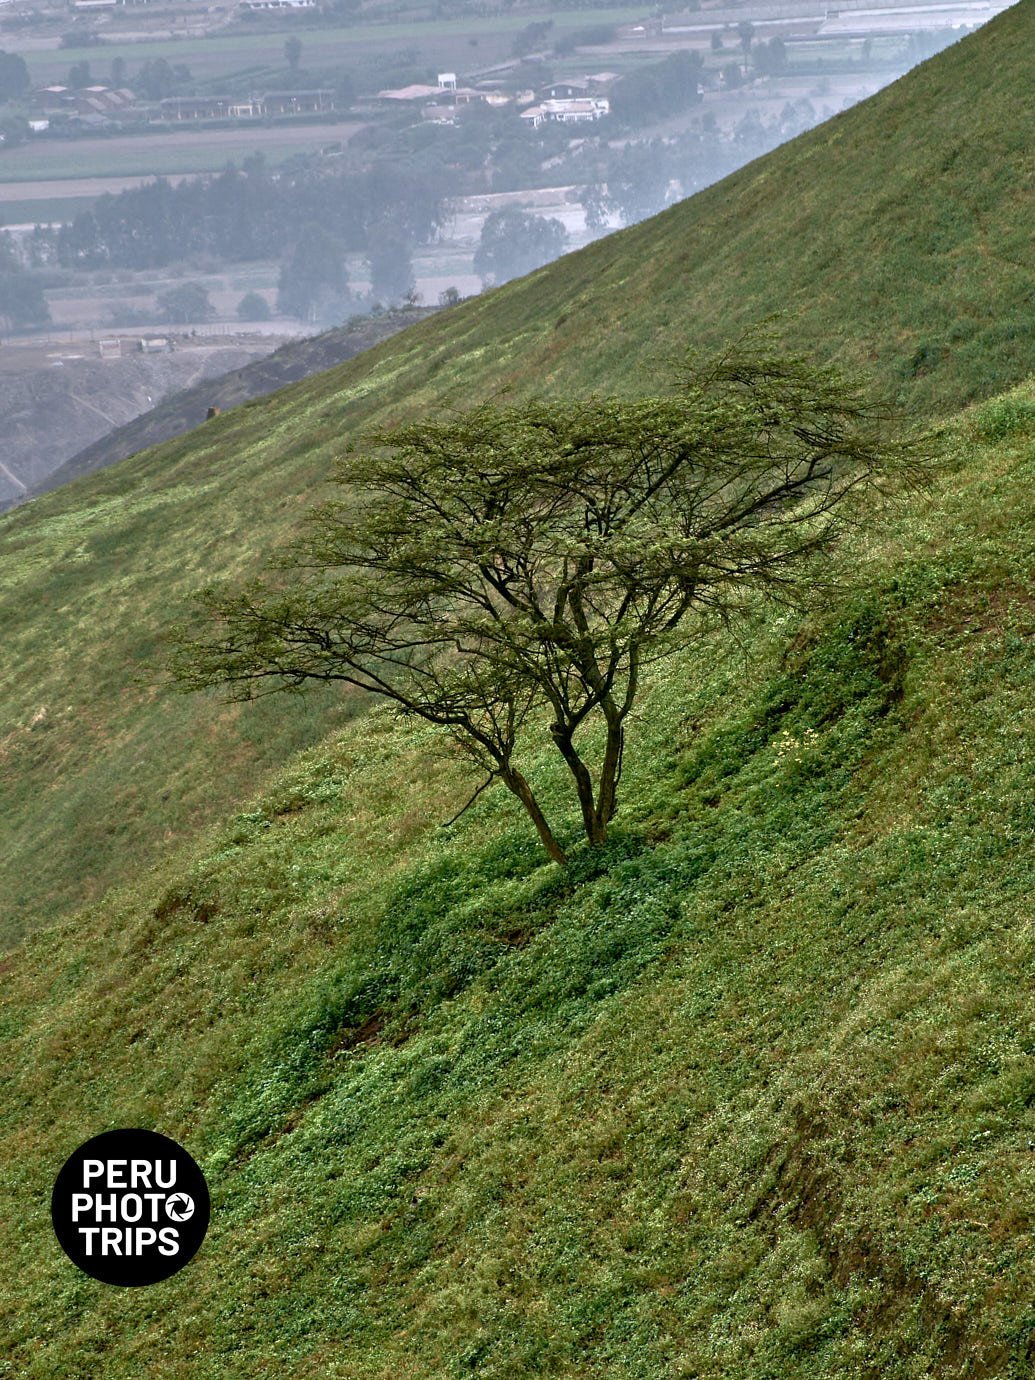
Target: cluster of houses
{"points": [[573, 102], [568, 102]]}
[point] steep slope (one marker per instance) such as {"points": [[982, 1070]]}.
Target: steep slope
{"points": [[184, 410], [897, 236], [750, 1095]]}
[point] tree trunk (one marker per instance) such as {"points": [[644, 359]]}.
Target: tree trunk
{"points": [[607, 796], [515, 782], [594, 824]]}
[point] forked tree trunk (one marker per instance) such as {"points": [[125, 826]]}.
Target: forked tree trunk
{"points": [[598, 807]]}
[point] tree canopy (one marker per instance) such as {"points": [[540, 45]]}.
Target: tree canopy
{"points": [[390, 264], [22, 302], [662, 88], [483, 569], [253, 306], [184, 303], [14, 76], [314, 277], [515, 242]]}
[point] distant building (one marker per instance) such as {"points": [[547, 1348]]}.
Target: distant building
{"points": [[566, 90], [101, 100], [576, 111], [246, 108], [52, 99], [207, 108], [446, 93], [298, 102]]}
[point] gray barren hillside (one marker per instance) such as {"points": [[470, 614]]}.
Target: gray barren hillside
{"points": [[56, 400], [187, 408]]}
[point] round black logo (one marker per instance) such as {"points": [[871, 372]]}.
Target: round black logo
{"points": [[130, 1207]]}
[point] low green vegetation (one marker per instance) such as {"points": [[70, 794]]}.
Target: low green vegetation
{"points": [[893, 238], [746, 1093]]}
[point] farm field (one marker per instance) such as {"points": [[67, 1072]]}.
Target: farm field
{"points": [[467, 42], [18, 210], [87, 307], [80, 162]]}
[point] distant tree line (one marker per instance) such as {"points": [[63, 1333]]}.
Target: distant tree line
{"points": [[644, 176], [247, 213], [593, 35], [532, 37]]}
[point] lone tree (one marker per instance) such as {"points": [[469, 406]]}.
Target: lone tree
{"points": [[22, 302], [390, 264], [482, 569], [185, 303], [253, 307]]}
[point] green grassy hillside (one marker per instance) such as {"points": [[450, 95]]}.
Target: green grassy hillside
{"points": [[750, 1094], [896, 236]]}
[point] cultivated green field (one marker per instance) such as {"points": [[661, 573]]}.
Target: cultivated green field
{"points": [[44, 210], [155, 155]]}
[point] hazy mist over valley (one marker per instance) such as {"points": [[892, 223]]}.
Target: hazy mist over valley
{"points": [[186, 189]]}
